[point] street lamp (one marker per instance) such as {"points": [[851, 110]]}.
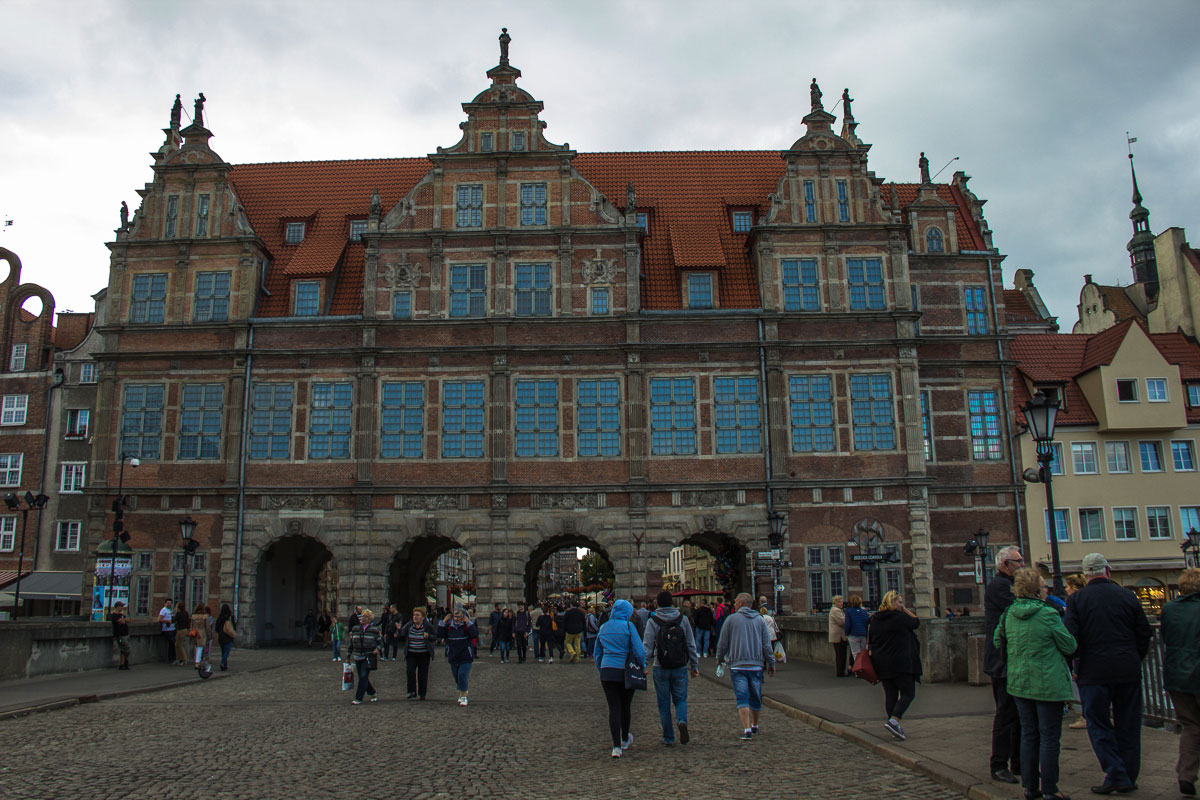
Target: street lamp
{"points": [[778, 521], [13, 502], [978, 546], [1191, 546], [187, 530], [118, 526], [1041, 412]]}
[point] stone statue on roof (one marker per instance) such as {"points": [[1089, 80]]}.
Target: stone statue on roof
{"points": [[630, 199], [198, 117], [504, 40], [814, 94], [176, 113], [376, 203], [846, 101], [923, 163], [124, 215]]}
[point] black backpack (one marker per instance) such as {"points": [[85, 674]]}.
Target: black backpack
{"points": [[670, 645]]}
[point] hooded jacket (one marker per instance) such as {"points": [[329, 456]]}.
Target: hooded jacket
{"points": [[616, 638], [459, 639], [1037, 645], [745, 641], [1181, 634], [666, 616]]}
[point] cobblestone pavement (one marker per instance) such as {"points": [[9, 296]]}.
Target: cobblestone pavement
{"points": [[531, 731]]}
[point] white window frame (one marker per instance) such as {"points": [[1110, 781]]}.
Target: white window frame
{"points": [[8, 533], [73, 477], [1056, 459], [15, 409], [1191, 449], [1117, 526], [72, 529], [87, 372], [1079, 452], [1161, 383], [1164, 516], [72, 430], [357, 228], [7, 472], [1066, 516], [1099, 514], [1162, 467], [1108, 459], [290, 231], [16, 362]]}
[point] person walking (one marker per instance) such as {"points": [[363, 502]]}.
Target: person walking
{"points": [[200, 620], [521, 628], [896, 655], [365, 640], [1036, 645], [745, 644], [1181, 674], [640, 616], [1005, 762], [616, 642], [166, 619], [460, 634], [310, 627], [591, 630], [560, 632], [547, 627], [1113, 635], [837, 636], [226, 633], [337, 634], [389, 623], [324, 621], [505, 629], [704, 626], [120, 632], [493, 621], [720, 611], [535, 645], [574, 622], [183, 637], [671, 648], [418, 635], [856, 626]]}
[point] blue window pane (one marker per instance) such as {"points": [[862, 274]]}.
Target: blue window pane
{"points": [[672, 416], [402, 418], [700, 291], [536, 415], [865, 279], [737, 414], [871, 412], [462, 419], [468, 290], [402, 305], [329, 420]]}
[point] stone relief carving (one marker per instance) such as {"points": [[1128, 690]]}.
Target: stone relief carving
{"points": [[271, 502], [710, 523], [637, 500], [293, 527], [430, 502], [431, 527], [599, 270], [633, 358], [707, 499], [402, 275], [499, 501], [567, 501], [568, 526], [500, 361]]}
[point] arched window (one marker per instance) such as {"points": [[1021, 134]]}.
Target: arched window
{"points": [[933, 241]]}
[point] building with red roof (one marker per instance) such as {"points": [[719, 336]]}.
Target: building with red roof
{"points": [[341, 369]]}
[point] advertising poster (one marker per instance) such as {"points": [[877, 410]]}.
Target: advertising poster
{"points": [[100, 600]]}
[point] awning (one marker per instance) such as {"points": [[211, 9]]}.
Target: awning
{"points": [[8, 576], [51, 586], [7, 599]]}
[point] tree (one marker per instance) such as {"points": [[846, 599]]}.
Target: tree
{"points": [[594, 568]]}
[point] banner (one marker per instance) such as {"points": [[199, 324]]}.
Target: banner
{"points": [[100, 600], [104, 567]]}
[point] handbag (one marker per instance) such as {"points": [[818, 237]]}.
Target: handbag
{"points": [[863, 668], [372, 660], [635, 671], [193, 633]]}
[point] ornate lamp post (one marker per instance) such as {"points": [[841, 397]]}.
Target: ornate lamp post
{"points": [[187, 529], [13, 502], [779, 522], [1191, 547], [1041, 413], [118, 526], [978, 547]]}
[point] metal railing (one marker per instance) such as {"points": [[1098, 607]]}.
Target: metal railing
{"points": [[1157, 708]]}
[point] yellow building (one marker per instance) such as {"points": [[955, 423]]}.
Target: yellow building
{"points": [[1125, 471], [698, 569]]}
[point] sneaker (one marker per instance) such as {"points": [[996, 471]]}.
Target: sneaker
{"points": [[754, 729], [683, 733], [894, 728], [616, 752], [628, 741], [373, 699], [356, 702], [412, 695], [551, 660], [541, 660], [747, 735], [1079, 724], [669, 742], [464, 701], [333, 659]]}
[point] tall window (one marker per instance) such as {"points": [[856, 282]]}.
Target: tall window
{"points": [[485, 142], [811, 398], [16, 362], [462, 419], [810, 202], [742, 221], [271, 420], [402, 305], [599, 418], [149, 298], [532, 290], [308, 298], [1193, 395], [1083, 458], [1158, 522], [469, 206], [468, 290], [537, 418], [66, 537], [202, 215], [533, 204], [883, 579], [700, 290], [141, 420], [643, 220], [1117, 455], [1056, 458], [10, 469], [600, 300], [200, 421], [293, 233], [672, 417], [1184, 456], [985, 426], [87, 372], [357, 228], [1189, 519], [15, 409], [403, 419], [172, 217], [926, 426], [1124, 524], [329, 420], [933, 241], [735, 403], [142, 597], [77, 423], [8, 534], [518, 140], [800, 285], [1151, 453], [871, 412], [212, 297], [843, 202], [73, 475], [914, 294], [1091, 524], [866, 283], [1062, 523], [1156, 390], [826, 575], [977, 323]]}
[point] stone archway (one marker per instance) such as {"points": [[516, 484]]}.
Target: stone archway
{"points": [[730, 567], [548, 547], [295, 573], [410, 565]]}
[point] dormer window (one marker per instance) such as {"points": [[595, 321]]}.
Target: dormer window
{"points": [[934, 242], [643, 221], [742, 221], [357, 228], [1156, 390], [308, 298], [1054, 394], [518, 140], [485, 142], [294, 233], [1193, 393], [1127, 390], [700, 290]]}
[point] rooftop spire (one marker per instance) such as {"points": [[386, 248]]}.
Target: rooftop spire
{"points": [[1141, 244]]}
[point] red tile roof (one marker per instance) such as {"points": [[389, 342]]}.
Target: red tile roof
{"points": [[1117, 301], [964, 224], [1017, 308], [1102, 346]]}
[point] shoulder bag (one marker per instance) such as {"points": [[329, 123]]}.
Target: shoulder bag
{"points": [[635, 671], [863, 668]]}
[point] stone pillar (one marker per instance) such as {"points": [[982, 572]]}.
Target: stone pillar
{"points": [[922, 551]]}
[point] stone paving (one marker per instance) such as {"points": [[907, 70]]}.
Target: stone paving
{"points": [[531, 730]]}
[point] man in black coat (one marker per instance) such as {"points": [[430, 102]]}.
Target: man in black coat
{"points": [[1006, 725], [1113, 633]]}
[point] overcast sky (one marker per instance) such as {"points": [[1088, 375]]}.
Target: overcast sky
{"points": [[1033, 97]]}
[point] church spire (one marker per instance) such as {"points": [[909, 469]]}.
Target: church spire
{"points": [[1141, 244]]}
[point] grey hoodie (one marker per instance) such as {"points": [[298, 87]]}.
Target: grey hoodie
{"points": [[664, 616], [745, 641]]}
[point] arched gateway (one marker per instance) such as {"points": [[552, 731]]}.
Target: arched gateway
{"points": [[295, 574]]}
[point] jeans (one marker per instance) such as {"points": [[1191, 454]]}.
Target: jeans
{"points": [[703, 638], [1187, 709], [857, 645], [522, 647], [337, 648], [1116, 740], [670, 686], [417, 671], [1006, 729], [590, 640], [1041, 729], [225, 648], [534, 645], [572, 642], [461, 670], [364, 680], [504, 646], [747, 687], [898, 694], [170, 637], [620, 709], [839, 657]]}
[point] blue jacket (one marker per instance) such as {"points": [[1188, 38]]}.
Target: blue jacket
{"points": [[616, 637], [856, 621], [460, 640]]}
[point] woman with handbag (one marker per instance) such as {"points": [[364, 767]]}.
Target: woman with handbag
{"points": [[199, 634], [1036, 645], [619, 656], [837, 635], [365, 640], [226, 633], [896, 655], [418, 635]]}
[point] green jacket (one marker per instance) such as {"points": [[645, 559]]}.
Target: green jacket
{"points": [[338, 631], [1037, 645], [1181, 634]]}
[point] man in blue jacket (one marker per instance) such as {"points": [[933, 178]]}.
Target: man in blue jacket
{"points": [[676, 657], [745, 644]]}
